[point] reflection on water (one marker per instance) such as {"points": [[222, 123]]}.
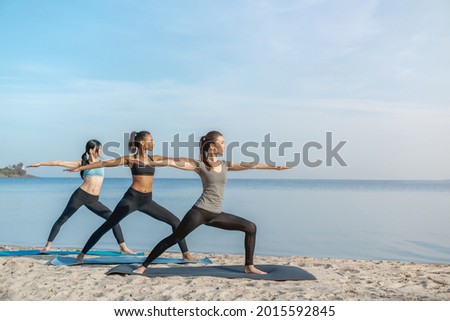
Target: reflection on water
{"points": [[394, 220]]}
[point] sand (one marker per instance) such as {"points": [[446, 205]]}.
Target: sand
{"points": [[32, 278]]}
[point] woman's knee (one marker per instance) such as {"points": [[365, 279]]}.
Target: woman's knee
{"points": [[62, 219], [174, 222], [251, 228]]}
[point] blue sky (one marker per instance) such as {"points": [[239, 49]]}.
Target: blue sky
{"points": [[374, 73]]}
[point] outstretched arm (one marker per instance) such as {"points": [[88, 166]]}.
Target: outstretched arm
{"points": [[109, 163], [186, 164], [67, 164], [253, 165]]}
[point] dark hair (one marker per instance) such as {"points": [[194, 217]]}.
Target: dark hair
{"points": [[205, 142], [135, 139], [93, 143]]}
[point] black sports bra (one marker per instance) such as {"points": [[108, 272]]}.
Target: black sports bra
{"points": [[139, 170]]}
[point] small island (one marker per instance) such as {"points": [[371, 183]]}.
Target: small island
{"points": [[17, 170]]}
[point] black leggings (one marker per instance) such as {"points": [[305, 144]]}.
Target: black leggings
{"points": [[78, 199], [198, 216], [135, 201]]}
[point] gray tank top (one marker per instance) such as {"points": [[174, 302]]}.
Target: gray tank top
{"points": [[213, 187]]}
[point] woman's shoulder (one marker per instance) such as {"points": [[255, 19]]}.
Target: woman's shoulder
{"points": [[198, 163]]}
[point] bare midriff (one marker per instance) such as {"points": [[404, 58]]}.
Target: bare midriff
{"points": [[92, 185], [142, 183]]}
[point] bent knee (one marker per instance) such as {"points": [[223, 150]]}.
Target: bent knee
{"points": [[62, 220], [174, 223], [251, 228]]}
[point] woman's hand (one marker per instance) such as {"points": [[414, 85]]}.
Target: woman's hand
{"points": [[282, 168], [183, 163], [68, 164], [34, 165], [245, 165]]}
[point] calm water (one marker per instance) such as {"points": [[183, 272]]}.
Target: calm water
{"points": [[393, 220]]}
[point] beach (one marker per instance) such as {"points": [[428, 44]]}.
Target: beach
{"points": [[31, 278]]}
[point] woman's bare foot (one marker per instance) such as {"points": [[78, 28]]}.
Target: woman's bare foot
{"points": [[140, 270], [125, 250], [252, 270], [79, 258], [188, 256], [46, 248]]}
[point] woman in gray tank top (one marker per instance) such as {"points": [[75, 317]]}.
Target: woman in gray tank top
{"points": [[208, 208]]}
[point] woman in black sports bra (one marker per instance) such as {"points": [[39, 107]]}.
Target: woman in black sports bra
{"points": [[139, 195]]}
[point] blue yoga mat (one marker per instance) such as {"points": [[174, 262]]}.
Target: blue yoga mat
{"points": [[274, 272], [61, 252], [123, 259]]}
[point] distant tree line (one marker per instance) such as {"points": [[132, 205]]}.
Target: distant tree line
{"points": [[17, 170]]}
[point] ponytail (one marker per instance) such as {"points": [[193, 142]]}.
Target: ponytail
{"points": [[132, 142], [135, 139], [92, 144], [204, 151], [84, 161]]}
